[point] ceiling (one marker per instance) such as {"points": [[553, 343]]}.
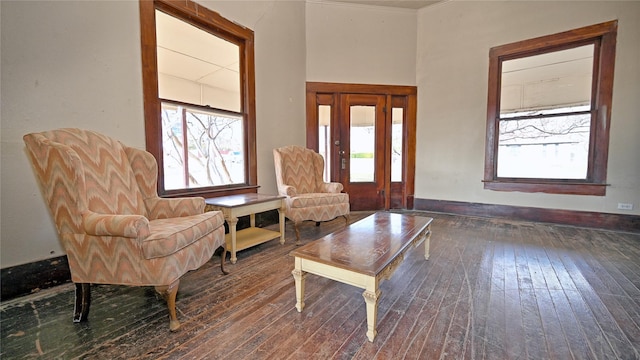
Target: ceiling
{"points": [[404, 4]]}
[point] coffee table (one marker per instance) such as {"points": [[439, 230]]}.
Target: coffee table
{"points": [[234, 206], [363, 254]]}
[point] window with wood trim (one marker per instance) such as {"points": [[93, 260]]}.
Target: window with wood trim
{"points": [[548, 112], [199, 98]]}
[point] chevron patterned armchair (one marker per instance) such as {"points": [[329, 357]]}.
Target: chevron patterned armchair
{"points": [[112, 224], [299, 177]]}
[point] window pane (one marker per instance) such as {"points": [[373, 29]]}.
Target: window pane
{"points": [[553, 147], [553, 80], [396, 143], [533, 143], [196, 67], [214, 154], [173, 148], [324, 138], [362, 159]]}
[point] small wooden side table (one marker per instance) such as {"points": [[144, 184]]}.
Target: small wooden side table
{"points": [[234, 206]]}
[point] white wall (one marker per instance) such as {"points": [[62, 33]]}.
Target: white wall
{"points": [[360, 44], [280, 85], [78, 64], [453, 45], [63, 64]]}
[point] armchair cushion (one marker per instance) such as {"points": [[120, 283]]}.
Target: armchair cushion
{"points": [[317, 199], [171, 235]]}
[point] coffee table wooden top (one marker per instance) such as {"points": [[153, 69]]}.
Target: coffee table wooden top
{"points": [[366, 246], [232, 201]]}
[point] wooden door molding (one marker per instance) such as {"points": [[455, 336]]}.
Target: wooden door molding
{"points": [[319, 93]]}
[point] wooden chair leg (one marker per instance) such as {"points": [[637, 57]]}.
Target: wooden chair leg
{"points": [[346, 218], [169, 293], [295, 227], [82, 303], [223, 258]]}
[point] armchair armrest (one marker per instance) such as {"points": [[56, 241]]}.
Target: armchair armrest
{"points": [[164, 208], [332, 187], [130, 226], [287, 190]]}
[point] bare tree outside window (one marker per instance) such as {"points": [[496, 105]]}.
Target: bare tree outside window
{"points": [[213, 154], [535, 145]]}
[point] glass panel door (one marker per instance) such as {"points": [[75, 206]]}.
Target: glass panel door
{"points": [[362, 150]]}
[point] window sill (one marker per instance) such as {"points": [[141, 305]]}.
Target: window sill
{"points": [[533, 186], [209, 192]]}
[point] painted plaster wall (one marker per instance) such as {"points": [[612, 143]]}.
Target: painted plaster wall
{"points": [[453, 45], [64, 64], [360, 44], [77, 64]]}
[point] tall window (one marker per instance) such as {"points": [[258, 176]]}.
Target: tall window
{"points": [[549, 109], [397, 143], [198, 75], [324, 138]]}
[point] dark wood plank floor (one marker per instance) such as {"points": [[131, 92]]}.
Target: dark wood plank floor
{"points": [[492, 289]]}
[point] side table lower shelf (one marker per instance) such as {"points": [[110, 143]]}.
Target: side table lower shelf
{"points": [[252, 236]]}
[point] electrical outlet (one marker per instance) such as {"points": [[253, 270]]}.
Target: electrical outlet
{"points": [[625, 206]]}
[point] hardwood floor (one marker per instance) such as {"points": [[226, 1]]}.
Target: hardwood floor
{"points": [[492, 289]]}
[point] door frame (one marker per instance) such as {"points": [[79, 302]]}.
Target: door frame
{"points": [[392, 92]]}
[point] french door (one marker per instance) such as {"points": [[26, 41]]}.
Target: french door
{"points": [[366, 134]]}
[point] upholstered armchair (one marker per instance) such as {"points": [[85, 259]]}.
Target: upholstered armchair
{"points": [[112, 224], [299, 177]]}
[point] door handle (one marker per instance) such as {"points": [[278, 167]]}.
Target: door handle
{"points": [[344, 163]]}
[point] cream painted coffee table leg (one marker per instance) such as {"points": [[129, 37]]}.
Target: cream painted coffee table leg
{"points": [[281, 219], [427, 243], [371, 295], [299, 276], [233, 221]]}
